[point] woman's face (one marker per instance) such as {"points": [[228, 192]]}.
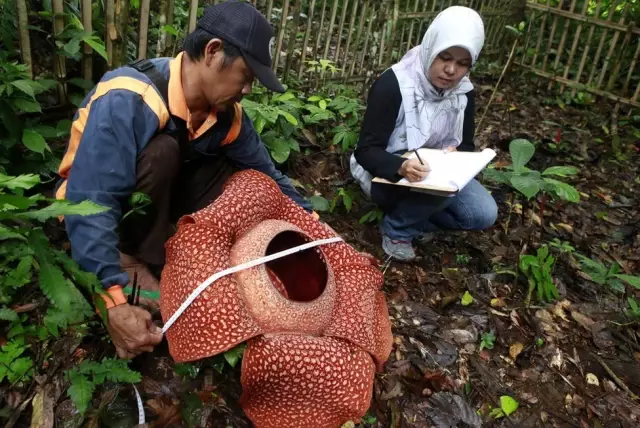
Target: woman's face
{"points": [[449, 67]]}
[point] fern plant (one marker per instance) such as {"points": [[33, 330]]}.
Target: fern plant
{"points": [[28, 260]]}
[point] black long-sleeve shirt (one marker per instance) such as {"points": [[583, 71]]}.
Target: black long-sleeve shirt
{"points": [[383, 106]]}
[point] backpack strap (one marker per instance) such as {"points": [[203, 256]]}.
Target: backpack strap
{"points": [[162, 84]]}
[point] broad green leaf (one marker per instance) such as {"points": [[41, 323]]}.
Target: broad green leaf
{"points": [[170, 29], [319, 203], [521, 152], [50, 277], [25, 86], [19, 368], [72, 47], [508, 405], [18, 202], [46, 131], [97, 46], [6, 233], [561, 171], [323, 104], [467, 299], [347, 201], [496, 176], [233, 355], [25, 181], [290, 118], [7, 314], [527, 260], [526, 185], [80, 391], [632, 280], [284, 97], [279, 149], [27, 106], [34, 141], [64, 208], [562, 190]]}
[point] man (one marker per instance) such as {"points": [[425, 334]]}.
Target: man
{"points": [[171, 128]]}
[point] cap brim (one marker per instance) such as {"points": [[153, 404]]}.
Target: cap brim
{"points": [[264, 74]]}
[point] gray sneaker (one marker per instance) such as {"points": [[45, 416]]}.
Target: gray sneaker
{"points": [[399, 250], [426, 237]]}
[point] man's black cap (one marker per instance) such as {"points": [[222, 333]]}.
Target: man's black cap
{"points": [[242, 25]]}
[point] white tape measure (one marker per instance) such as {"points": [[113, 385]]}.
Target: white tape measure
{"points": [[238, 268], [141, 419]]}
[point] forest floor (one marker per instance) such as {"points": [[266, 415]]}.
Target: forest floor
{"points": [[567, 364]]}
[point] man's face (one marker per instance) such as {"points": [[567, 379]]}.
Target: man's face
{"points": [[223, 85]]}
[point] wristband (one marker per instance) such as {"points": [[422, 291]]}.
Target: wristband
{"points": [[115, 297]]}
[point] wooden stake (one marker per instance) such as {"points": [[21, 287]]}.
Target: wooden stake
{"points": [[193, 15], [145, 5], [59, 62]]}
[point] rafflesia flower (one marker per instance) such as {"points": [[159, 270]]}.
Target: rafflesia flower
{"points": [[316, 323]]}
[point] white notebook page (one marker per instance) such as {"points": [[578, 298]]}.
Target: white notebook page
{"points": [[452, 170]]}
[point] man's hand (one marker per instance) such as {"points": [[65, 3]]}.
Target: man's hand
{"points": [[413, 170], [132, 330]]}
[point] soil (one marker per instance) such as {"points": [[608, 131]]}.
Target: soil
{"points": [[565, 363]]}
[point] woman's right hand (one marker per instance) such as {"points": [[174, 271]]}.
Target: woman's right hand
{"points": [[413, 170]]}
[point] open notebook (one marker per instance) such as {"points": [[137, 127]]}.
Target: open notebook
{"points": [[450, 172]]}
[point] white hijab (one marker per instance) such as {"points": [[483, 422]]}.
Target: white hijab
{"points": [[433, 117]]}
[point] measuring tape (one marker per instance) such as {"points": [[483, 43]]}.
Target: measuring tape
{"points": [[213, 278], [238, 268]]}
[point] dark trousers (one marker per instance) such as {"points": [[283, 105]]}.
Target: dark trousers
{"points": [[176, 187]]}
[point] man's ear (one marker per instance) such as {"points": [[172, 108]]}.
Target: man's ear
{"points": [[213, 47]]}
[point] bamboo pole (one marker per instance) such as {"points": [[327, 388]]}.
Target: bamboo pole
{"points": [[23, 30], [87, 60], [612, 47], [550, 44], [349, 34], [110, 32], [574, 46], [603, 37], [413, 22], [394, 24], [563, 39], [145, 6], [542, 28], [316, 48], [165, 17], [59, 63], [269, 9], [364, 52], [281, 30], [307, 34], [632, 68], [121, 21], [332, 21], [343, 16], [291, 38], [193, 15], [587, 47], [359, 33]]}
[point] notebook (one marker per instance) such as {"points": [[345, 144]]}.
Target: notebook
{"points": [[450, 172]]}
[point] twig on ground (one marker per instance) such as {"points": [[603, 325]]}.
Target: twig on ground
{"points": [[615, 378]]}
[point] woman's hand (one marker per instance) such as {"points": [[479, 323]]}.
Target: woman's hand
{"points": [[413, 170]]}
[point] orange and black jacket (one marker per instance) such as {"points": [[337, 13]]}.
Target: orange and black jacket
{"points": [[112, 126]]}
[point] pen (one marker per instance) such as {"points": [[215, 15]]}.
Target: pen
{"points": [[419, 158]]}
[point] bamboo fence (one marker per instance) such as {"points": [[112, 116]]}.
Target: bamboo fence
{"points": [[590, 46], [347, 41]]}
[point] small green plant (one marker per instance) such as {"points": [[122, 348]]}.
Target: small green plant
{"points": [[599, 273], [344, 197], [507, 406], [538, 270], [633, 311], [530, 182], [488, 340], [462, 259], [563, 246], [138, 202], [88, 374], [374, 216]]}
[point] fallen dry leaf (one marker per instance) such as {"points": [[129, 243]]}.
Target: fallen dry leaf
{"points": [[515, 350], [498, 303], [566, 227], [583, 320], [592, 379]]}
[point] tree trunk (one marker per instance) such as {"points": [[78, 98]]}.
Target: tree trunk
{"points": [[59, 63], [25, 42], [87, 60], [144, 28], [193, 14], [121, 22]]}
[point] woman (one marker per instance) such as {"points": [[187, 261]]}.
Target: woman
{"points": [[425, 100]]}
